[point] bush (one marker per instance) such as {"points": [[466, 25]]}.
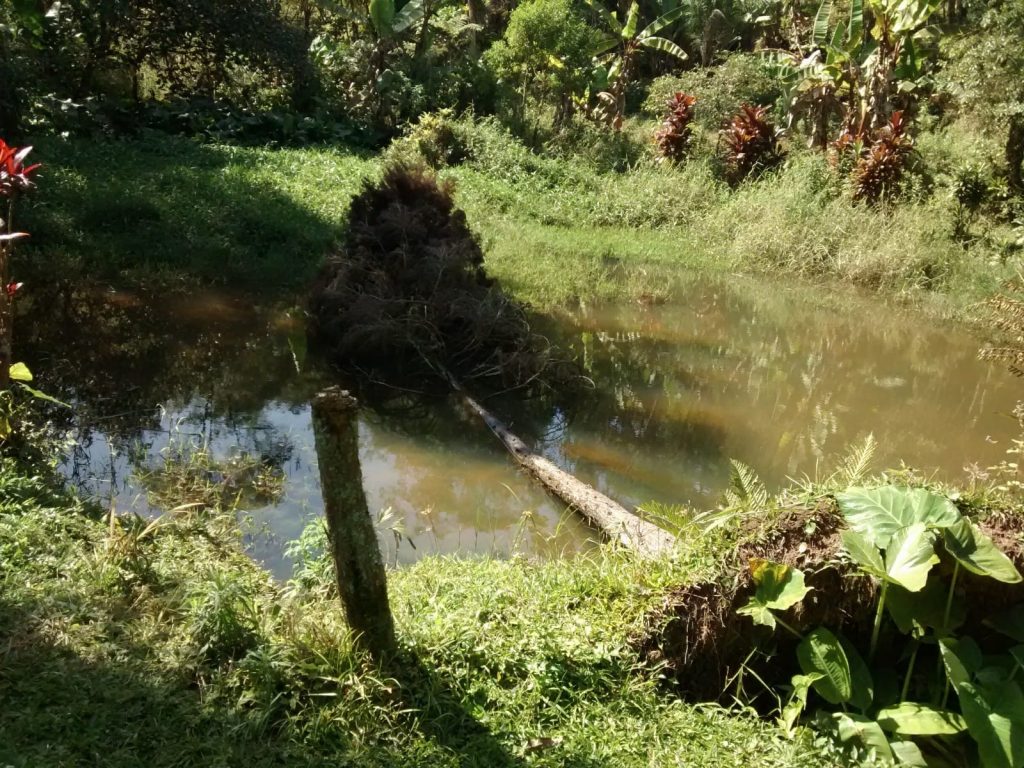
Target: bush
{"points": [[546, 53], [673, 138], [720, 91], [751, 144]]}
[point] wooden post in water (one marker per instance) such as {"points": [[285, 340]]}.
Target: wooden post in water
{"points": [[362, 582]]}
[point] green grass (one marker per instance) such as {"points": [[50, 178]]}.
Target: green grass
{"points": [[556, 229], [163, 645]]}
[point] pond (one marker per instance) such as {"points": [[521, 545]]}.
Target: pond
{"points": [[766, 374]]}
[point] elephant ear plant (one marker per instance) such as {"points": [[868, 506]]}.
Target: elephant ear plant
{"points": [[966, 707]]}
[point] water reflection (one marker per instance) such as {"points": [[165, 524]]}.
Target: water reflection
{"points": [[767, 375]]}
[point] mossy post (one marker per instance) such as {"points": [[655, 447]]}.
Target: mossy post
{"points": [[362, 582]]}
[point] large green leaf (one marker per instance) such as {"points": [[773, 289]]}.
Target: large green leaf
{"points": [[664, 20], [909, 557], [908, 753], [995, 719], [961, 658], [977, 553], [864, 553], [862, 686], [821, 653], [20, 372], [632, 22], [855, 27], [382, 14], [877, 513], [411, 13], [821, 23], [863, 730], [779, 587], [663, 45], [913, 719]]}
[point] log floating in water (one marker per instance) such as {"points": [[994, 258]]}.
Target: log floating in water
{"points": [[612, 519], [362, 581]]}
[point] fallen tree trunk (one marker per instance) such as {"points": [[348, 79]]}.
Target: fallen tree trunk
{"points": [[612, 519]]}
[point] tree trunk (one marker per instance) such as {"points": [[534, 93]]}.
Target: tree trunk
{"points": [[1015, 154], [362, 581], [610, 518]]}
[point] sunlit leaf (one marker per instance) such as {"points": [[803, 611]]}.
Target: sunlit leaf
{"points": [[925, 609], [663, 45], [977, 553], [864, 553], [909, 557], [914, 719], [797, 701], [907, 753], [864, 731], [877, 513], [961, 658], [821, 653]]}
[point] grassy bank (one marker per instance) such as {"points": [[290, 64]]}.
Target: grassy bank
{"points": [[125, 643], [555, 230]]}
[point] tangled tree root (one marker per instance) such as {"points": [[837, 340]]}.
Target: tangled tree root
{"points": [[703, 644], [408, 293]]}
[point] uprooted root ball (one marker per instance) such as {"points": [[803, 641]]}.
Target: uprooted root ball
{"points": [[408, 293]]}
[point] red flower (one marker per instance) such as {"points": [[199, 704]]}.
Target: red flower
{"points": [[14, 174], [12, 288]]}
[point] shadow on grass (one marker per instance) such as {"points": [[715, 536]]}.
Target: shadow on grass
{"points": [[166, 207], [119, 706]]}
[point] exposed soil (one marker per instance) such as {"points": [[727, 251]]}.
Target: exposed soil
{"points": [[703, 643]]}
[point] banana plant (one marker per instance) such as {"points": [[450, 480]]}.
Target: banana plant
{"points": [[854, 69], [390, 23], [616, 52]]}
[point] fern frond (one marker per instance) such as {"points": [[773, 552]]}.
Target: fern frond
{"points": [[745, 487], [855, 466]]}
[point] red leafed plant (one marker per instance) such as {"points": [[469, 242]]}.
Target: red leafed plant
{"points": [[673, 138], [881, 164], [751, 143], [15, 179]]}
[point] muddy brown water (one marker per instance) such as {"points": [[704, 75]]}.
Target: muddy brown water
{"points": [[771, 375]]}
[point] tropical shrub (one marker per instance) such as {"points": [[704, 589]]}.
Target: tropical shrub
{"points": [[720, 91], [544, 55], [673, 138], [916, 548], [618, 51], [751, 143], [15, 180], [881, 165]]}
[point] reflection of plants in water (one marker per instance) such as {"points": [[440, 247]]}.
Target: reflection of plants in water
{"points": [[191, 474]]}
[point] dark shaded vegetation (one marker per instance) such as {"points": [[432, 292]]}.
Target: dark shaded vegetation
{"points": [[407, 294]]}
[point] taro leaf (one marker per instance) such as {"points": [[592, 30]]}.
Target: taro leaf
{"points": [[977, 553], [961, 657], [861, 685], [778, 587], [908, 753], [864, 730], [925, 609], [1009, 622], [877, 513], [996, 670], [821, 653], [864, 553], [995, 719], [797, 701], [913, 719], [20, 372], [909, 557]]}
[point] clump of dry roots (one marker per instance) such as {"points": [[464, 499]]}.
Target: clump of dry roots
{"points": [[407, 294]]}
